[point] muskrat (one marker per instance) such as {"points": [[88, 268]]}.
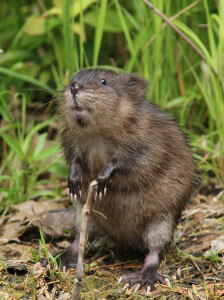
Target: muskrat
{"points": [[140, 157]]}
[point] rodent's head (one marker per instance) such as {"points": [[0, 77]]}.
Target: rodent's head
{"points": [[100, 98]]}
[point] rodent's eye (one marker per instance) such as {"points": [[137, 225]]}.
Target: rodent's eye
{"points": [[103, 81]]}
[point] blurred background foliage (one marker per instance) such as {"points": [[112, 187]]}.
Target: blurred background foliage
{"points": [[43, 43]]}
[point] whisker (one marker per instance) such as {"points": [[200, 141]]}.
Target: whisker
{"points": [[34, 104], [44, 90]]}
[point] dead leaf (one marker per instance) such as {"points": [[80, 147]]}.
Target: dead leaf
{"points": [[29, 216]]}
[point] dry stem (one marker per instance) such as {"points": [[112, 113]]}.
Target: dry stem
{"points": [[83, 239], [190, 43]]}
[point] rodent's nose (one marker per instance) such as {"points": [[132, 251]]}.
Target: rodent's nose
{"points": [[74, 87]]}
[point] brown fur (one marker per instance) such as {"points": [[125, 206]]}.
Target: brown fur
{"points": [[157, 176]]}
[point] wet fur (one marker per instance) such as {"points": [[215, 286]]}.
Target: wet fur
{"points": [[157, 176]]}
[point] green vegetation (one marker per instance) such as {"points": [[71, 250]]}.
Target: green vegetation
{"points": [[44, 42]]}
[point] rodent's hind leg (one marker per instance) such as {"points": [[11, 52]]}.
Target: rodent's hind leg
{"points": [[147, 276], [69, 257], [156, 236], [66, 259]]}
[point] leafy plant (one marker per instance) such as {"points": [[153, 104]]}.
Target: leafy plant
{"points": [[210, 84], [56, 271], [24, 160], [213, 256]]}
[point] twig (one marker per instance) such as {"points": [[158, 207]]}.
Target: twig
{"points": [[190, 43], [213, 278], [83, 239], [172, 19]]}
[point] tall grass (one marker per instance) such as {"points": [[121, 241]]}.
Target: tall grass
{"points": [[24, 157], [99, 31], [45, 42], [210, 84], [68, 38]]}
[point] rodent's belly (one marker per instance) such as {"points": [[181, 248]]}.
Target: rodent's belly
{"points": [[121, 218]]}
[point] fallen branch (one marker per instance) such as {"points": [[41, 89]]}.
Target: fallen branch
{"points": [[83, 239]]}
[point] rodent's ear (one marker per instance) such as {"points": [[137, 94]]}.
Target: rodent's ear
{"points": [[136, 85]]}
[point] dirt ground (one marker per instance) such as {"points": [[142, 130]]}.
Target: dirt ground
{"points": [[194, 264]]}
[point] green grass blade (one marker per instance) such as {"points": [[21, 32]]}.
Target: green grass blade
{"points": [[81, 47], [125, 28], [34, 130], [210, 35], [23, 121], [26, 78], [67, 22], [14, 145], [48, 152], [40, 144], [221, 38], [99, 31]]}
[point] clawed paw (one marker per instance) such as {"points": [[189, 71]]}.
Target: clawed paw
{"points": [[137, 280], [74, 187], [102, 187]]}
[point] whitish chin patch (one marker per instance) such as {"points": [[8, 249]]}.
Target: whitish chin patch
{"points": [[79, 111], [79, 114]]}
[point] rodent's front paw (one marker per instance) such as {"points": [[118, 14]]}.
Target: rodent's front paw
{"points": [[103, 178], [74, 187], [102, 186]]}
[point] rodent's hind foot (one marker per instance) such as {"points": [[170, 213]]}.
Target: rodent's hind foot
{"points": [[139, 279], [66, 259]]}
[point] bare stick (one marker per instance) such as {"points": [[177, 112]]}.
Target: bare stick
{"points": [[83, 239], [172, 19], [190, 43], [163, 26]]}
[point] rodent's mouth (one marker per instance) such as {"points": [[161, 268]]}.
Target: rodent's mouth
{"points": [[78, 109], [80, 113]]}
